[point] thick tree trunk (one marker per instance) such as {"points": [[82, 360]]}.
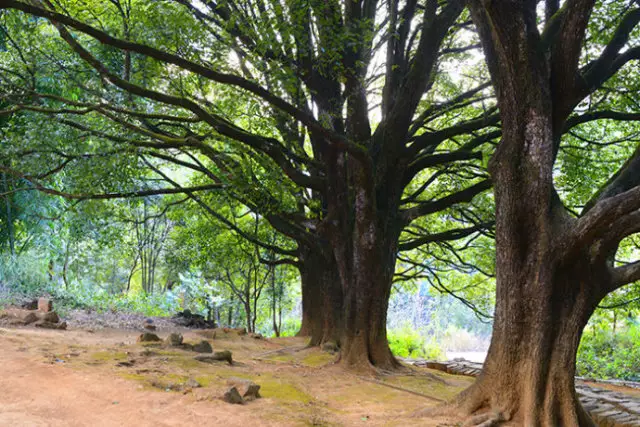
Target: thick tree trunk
{"points": [[364, 341], [322, 299], [529, 372]]}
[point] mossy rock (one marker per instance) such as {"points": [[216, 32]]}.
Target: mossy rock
{"points": [[203, 347], [174, 340], [148, 337]]}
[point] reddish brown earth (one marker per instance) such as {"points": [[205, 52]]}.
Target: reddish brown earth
{"points": [[76, 378]]}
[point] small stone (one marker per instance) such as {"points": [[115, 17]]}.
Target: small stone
{"points": [[256, 336], [218, 356], [50, 316], [203, 347], [149, 327], [45, 304], [174, 340], [233, 396], [45, 325], [191, 383], [29, 318], [247, 388], [30, 305], [148, 337]]}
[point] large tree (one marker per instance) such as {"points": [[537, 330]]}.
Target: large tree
{"points": [[370, 135], [553, 264]]}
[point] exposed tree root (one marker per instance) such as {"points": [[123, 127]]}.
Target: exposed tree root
{"points": [[489, 419], [289, 350], [395, 387]]}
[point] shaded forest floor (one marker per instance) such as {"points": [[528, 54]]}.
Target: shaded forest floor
{"points": [[104, 378]]}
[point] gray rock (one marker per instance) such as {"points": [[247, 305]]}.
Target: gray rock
{"points": [[50, 316], [148, 337], [174, 340], [233, 396], [191, 383], [247, 388], [203, 347], [218, 356]]}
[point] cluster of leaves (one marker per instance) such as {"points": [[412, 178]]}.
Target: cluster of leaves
{"points": [[606, 354], [409, 342]]}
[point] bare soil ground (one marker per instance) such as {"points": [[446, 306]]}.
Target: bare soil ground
{"points": [[104, 378]]}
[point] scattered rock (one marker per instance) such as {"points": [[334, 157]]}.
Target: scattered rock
{"points": [[21, 317], [45, 305], [233, 396], [30, 305], [190, 320], [29, 318], [18, 317], [174, 340], [191, 383], [247, 388], [50, 325], [148, 324], [203, 347], [218, 356], [148, 337], [50, 316]]}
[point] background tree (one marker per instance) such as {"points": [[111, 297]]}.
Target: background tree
{"points": [[346, 176]]}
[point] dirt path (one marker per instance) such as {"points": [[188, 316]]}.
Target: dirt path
{"points": [[76, 378]]}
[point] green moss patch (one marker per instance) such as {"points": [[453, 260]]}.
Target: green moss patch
{"points": [[427, 385], [277, 389], [107, 356], [318, 358]]}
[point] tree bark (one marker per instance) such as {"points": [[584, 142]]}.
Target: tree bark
{"points": [[364, 342], [544, 293], [529, 371], [247, 312], [9, 215], [322, 299]]}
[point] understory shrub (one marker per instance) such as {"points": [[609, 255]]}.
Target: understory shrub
{"points": [[22, 277], [605, 355], [409, 342]]}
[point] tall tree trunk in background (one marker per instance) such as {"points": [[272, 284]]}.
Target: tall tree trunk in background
{"points": [[132, 272], [247, 313], [230, 313], [367, 289], [364, 239], [65, 266], [9, 215], [275, 296], [322, 299]]}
